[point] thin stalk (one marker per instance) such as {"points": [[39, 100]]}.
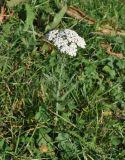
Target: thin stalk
{"points": [[58, 90]]}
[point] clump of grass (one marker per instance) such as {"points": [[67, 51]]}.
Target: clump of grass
{"points": [[54, 106]]}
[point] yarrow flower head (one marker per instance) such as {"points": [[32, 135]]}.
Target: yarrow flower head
{"points": [[66, 41]]}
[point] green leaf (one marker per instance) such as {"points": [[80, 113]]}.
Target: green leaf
{"points": [[115, 141], [13, 3], [57, 19], [42, 115], [30, 16], [1, 143], [58, 4], [122, 154], [68, 92], [45, 6], [121, 64], [64, 142], [110, 71]]}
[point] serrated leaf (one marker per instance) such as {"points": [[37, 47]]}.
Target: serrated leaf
{"points": [[30, 16], [13, 3], [57, 19]]}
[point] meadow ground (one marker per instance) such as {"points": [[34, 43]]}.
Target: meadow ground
{"points": [[53, 106]]}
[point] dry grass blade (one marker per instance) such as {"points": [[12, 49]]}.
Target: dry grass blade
{"points": [[109, 31], [109, 51], [3, 14], [78, 14]]}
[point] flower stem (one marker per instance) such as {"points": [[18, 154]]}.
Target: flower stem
{"points": [[58, 89]]}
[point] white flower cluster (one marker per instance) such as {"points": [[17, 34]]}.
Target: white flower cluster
{"points": [[66, 41]]}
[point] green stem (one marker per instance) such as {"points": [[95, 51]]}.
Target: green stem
{"points": [[58, 90]]}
